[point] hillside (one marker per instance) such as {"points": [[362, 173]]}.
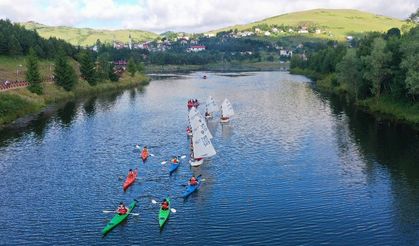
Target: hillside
{"points": [[335, 23], [88, 36]]}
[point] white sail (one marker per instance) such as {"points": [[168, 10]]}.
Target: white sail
{"points": [[211, 105], [197, 122], [226, 109], [202, 146]]}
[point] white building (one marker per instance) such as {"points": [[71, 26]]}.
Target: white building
{"points": [[196, 48], [267, 33], [287, 53], [209, 35], [275, 30], [304, 31]]}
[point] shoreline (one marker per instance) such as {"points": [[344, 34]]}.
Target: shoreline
{"points": [[29, 105], [219, 67], [385, 108]]}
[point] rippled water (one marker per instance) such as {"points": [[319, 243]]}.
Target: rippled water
{"points": [[293, 167]]}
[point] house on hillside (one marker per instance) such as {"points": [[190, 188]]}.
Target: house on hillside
{"points": [[196, 48], [303, 31], [286, 53], [290, 30], [183, 41], [275, 30], [318, 31], [257, 30], [119, 45], [267, 33]]}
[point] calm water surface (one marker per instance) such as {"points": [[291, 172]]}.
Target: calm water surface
{"points": [[292, 168]]}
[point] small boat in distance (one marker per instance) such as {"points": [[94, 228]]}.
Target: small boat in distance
{"points": [[204, 77]]}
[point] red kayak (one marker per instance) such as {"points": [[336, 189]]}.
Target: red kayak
{"points": [[130, 180]]}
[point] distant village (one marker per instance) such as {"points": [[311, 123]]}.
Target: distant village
{"points": [[191, 43]]}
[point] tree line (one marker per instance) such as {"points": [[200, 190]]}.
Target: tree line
{"points": [[15, 40], [378, 64]]}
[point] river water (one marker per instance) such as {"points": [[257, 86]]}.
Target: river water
{"points": [[293, 167]]}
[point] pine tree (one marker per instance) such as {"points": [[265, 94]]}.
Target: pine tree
{"points": [[140, 67], [132, 67], [32, 74], [103, 66], [112, 75], [64, 74], [14, 46], [87, 68]]}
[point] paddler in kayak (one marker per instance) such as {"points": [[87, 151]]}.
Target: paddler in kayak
{"points": [[193, 181], [144, 153], [175, 160], [130, 173], [122, 209], [165, 204]]}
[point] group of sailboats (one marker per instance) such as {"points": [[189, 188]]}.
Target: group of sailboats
{"points": [[201, 145]]}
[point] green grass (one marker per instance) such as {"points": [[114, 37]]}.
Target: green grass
{"points": [[88, 36], [10, 65], [340, 22], [14, 106], [20, 102], [392, 108]]}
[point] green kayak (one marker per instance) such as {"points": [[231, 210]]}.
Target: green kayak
{"points": [[164, 214], [117, 219]]}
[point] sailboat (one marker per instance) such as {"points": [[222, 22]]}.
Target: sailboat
{"points": [[226, 111], [211, 107], [201, 139]]}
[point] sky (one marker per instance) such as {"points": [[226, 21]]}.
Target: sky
{"points": [[179, 15]]}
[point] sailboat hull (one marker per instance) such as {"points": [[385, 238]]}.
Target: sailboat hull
{"points": [[225, 120], [196, 163]]}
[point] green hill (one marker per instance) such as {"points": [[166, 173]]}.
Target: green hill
{"points": [[88, 36], [334, 23]]}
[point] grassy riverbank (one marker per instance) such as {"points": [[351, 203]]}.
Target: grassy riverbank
{"points": [[385, 106], [234, 66], [20, 102]]}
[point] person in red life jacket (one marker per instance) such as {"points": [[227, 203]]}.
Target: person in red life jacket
{"points": [[130, 173], [188, 129], [144, 153], [122, 209], [165, 204], [193, 181], [175, 160]]}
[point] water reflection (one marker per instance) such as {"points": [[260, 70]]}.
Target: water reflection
{"points": [[67, 113], [383, 144], [90, 106]]}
